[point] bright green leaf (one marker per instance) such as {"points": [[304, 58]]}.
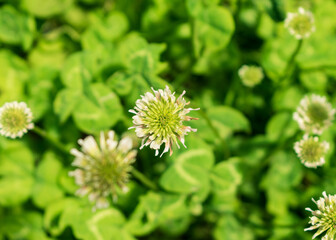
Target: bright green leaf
{"points": [[45, 189], [229, 118], [16, 169], [45, 8], [16, 27], [13, 73], [92, 117], [281, 126], [65, 103], [213, 29], [228, 227]]}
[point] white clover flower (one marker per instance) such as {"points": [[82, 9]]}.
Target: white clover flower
{"points": [[104, 169], [250, 75], [314, 114], [300, 24], [159, 119], [311, 151], [324, 219], [15, 119]]}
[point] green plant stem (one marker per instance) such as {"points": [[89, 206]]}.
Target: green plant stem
{"points": [[270, 225], [208, 121], [230, 95], [291, 61], [216, 133], [52, 140], [148, 81], [144, 180], [277, 147], [318, 68]]}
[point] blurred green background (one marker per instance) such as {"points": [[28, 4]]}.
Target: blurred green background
{"points": [[81, 64]]}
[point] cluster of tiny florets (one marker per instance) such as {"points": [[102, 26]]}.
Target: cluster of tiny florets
{"points": [[250, 75], [159, 119], [15, 119], [102, 170], [324, 219], [314, 114], [300, 24], [311, 151]]}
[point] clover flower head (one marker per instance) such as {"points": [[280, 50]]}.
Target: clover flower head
{"points": [[159, 119], [300, 24], [323, 219], [102, 170], [311, 151], [314, 114], [250, 75], [15, 119]]}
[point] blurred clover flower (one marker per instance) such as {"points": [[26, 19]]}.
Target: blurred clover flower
{"points": [[323, 219], [102, 170], [314, 114], [311, 151], [300, 24], [159, 119], [250, 75], [15, 119]]}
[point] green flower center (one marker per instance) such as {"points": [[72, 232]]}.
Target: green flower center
{"points": [[162, 118], [301, 24], [317, 113], [329, 219], [13, 120], [312, 151], [253, 75], [105, 173]]}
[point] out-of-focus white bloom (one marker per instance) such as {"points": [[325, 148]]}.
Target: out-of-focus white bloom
{"points": [[300, 24], [311, 151], [314, 114], [250, 75], [104, 169], [324, 218], [159, 119], [15, 119]]}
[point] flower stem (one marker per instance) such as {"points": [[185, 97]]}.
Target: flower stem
{"points": [[318, 68], [216, 133], [291, 61], [207, 119], [230, 95], [144, 180], [52, 140]]}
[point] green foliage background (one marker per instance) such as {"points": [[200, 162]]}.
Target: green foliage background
{"points": [[81, 64]]}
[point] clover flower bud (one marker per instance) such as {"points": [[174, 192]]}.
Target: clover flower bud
{"points": [[15, 119], [250, 75], [300, 24], [104, 169], [314, 114], [311, 151], [323, 219]]}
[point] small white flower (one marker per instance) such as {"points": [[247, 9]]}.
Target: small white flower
{"points": [[324, 219], [300, 24], [250, 75], [102, 169], [159, 119], [314, 114], [15, 119], [311, 151]]}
